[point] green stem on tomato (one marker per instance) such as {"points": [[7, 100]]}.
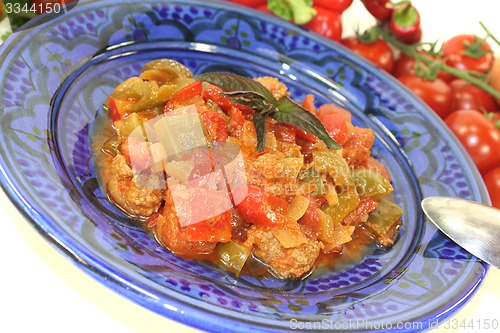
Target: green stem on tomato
{"points": [[411, 51], [300, 11], [393, 5], [488, 32]]}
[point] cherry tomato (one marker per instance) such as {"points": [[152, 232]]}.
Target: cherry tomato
{"points": [[326, 23], [479, 136], [264, 9], [492, 182], [437, 94], [335, 5], [405, 23], [468, 53], [406, 65], [470, 97], [378, 51], [255, 208], [495, 118], [250, 3], [379, 9]]}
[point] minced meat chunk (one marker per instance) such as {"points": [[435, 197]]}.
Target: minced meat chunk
{"points": [[356, 150], [170, 233], [285, 262], [277, 88], [139, 195]]}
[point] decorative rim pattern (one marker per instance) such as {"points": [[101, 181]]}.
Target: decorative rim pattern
{"points": [[54, 78]]}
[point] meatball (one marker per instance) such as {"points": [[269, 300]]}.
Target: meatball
{"points": [[292, 261], [169, 233], [138, 195]]}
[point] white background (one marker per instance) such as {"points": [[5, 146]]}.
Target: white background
{"points": [[42, 291]]}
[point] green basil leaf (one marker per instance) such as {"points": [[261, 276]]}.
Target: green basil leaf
{"points": [[248, 92], [233, 82], [251, 99], [259, 122], [292, 113]]}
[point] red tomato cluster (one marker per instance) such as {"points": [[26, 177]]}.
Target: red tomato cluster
{"points": [[327, 21], [470, 112]]}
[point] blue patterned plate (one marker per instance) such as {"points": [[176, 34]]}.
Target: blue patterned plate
{"points": [[54, 78]]}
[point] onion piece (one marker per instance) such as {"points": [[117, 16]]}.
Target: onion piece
{"points": [[158, 156], [289, 238], [181, 131], [178, 169], [297, 207]]}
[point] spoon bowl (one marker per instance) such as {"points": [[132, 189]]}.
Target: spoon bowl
{"points": [[473, 226]]}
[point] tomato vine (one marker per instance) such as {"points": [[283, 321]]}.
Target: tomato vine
{"points": [[412, 51]]}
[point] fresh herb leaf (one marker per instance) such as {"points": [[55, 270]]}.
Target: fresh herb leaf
{"points": [[253, 94], [259, 122], [262, 107], [233, 82], [251, 99], [294, 114]]}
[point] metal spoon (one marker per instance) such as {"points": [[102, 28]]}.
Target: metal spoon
{"points": [[473, 226]]}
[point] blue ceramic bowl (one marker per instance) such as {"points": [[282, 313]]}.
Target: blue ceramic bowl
{"points": [[54, 79]]}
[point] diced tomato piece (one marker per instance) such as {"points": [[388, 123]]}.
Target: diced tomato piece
{"points": [[332, 108], [118, 108], [215, 229], [335, 125], [311, 218], [333, 118], [306, 136], [284, 132], [356, 216], [213, 93], [190, 94], [278, 204], [153, 219], [203, 162], [174, 237], [215, 124], [357, 148], [236, 122], [308, 104], [255, 208]]}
